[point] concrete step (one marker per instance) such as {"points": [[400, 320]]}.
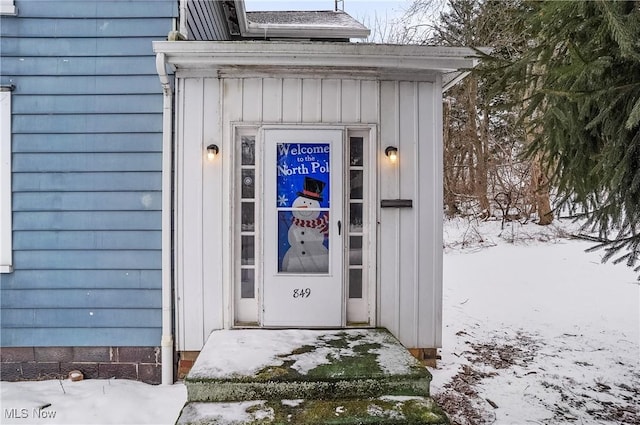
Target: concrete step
{"points": [[380, 410], [244, 365]]}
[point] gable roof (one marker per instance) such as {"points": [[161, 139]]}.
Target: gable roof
{"points": [[327, 24]]}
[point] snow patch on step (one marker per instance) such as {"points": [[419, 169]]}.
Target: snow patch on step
{"points": [[228, 413], [231, 354]]}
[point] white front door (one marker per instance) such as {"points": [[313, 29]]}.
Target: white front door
{"points": [[303, 228]]}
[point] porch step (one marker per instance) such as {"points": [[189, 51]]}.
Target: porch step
{"points": [[290, 364], [381, 410], [356, 376]]}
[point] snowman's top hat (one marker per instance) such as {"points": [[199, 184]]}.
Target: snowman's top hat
{"points": [[312, 189]]}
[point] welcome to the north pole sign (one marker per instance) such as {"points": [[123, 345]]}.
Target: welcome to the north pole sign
{"points": [[303, 200]]}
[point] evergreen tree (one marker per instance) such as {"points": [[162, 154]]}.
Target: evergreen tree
{"points": [[580, 81]]}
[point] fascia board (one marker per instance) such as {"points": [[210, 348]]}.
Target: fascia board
{"points": [[190, 54], [241, 14], [453, 79]]}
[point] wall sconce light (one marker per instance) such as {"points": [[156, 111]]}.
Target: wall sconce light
{"points": [[212, 151], [392, 153]]}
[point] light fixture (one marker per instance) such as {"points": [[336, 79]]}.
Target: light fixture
{"points": [[392, 153], [212, 151]]}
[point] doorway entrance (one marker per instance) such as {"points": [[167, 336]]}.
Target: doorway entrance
{"points": [[303, 237], [302, 225]]}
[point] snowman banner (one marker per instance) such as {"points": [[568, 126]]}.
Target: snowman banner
{"points": [[303, 200]]}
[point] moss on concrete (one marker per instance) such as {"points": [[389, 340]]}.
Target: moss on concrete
{"points": [[323, 390], [351, 366], [384, 410], [302, 350], [365, 411], [363, 363], [359, 377]]}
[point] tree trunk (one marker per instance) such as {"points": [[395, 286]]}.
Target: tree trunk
{"points": [[539, 179], [449, 174], [479, 182], [540, 191]]}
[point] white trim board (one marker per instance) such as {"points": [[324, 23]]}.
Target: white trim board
{"points": [[368, 58], [6, 255]]}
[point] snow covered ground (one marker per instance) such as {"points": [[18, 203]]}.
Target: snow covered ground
{"points": [[94, 401], [535, 331]]}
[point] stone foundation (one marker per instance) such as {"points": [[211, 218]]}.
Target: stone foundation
{"points": [[38, 363]]}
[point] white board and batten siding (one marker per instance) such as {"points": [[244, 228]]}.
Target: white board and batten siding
{"points": [[409, 241]]}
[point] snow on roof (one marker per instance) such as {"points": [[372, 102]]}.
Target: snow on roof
{"points": [[320, 25], [323, 18]]}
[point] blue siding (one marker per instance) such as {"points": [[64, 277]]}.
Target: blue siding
{"points": [[95, 317], [60, 28], [81, 298], [85, 84], [86, 220], [92, 260], [87, 147], [83, 279], [74, 47], [97, 143], [98, 9], [66, 162], [91, 104], [90, 181], [86, 239], [87, 201], [79, 336], [78, 66], [84, 123]]}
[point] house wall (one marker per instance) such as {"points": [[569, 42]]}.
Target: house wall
{"points": [[410, 240], [87, 141], [205, 20]]}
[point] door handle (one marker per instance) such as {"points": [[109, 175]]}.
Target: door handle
{"points": [[339, 227]]}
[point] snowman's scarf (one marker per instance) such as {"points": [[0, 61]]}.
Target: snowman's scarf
{"points": [[321, 224]]}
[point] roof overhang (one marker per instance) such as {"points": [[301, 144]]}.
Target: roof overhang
{"points": [[378, 59], [345, 27]]}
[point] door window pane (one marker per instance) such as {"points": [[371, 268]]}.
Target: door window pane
{"points": [[248, 217], [355, 283], [246, 242], [356, 151], [355, 184], [247, 283], [303, 244], [248, 251], [355, 218], [248, 150], [355, 250], [248, 183], [303, 195]]}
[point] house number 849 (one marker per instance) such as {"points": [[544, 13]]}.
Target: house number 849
{"points": [[301, 293]]}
